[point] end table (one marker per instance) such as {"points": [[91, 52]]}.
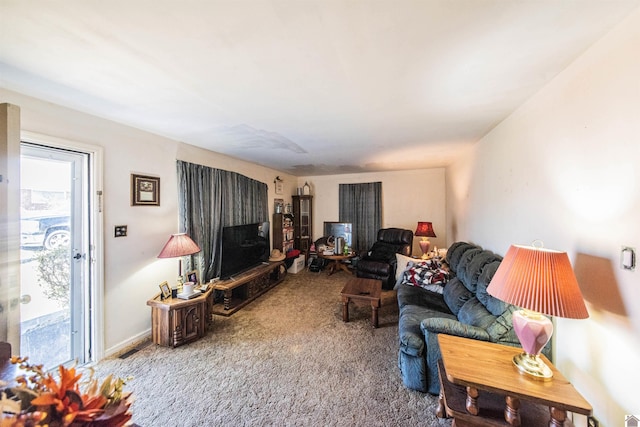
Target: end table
{"points": [[486, 370], [175, 321]]}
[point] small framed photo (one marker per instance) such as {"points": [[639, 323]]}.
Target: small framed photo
{"points": [[165, 290], [192, 276], [145, 190]]}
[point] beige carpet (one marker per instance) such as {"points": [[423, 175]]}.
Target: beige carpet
{"points": [[286, 359]]}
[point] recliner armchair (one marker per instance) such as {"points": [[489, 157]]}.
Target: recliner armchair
{"points": [[380, 261]]}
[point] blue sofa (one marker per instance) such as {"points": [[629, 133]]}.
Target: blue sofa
{"points": [[463, 308]]}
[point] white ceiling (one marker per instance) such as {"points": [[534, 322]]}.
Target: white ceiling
{"points": [[308, 87]]}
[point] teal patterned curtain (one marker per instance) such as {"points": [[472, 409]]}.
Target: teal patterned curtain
{"points": [[210, 199], [361, 205]]}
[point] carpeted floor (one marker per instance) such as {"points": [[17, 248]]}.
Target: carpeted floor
{"points": [[286, 359]]}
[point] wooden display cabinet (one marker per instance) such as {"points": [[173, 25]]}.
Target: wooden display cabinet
{"points": [[302, 222], [175, 321], [283, 232]]}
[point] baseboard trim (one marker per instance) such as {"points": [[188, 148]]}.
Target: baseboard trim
{"points": [[127, 345]]}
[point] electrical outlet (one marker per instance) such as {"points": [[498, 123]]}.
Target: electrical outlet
{"points": [[592, 422], [120, 231]]}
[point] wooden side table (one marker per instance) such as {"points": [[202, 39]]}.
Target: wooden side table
{"points": [[336, 262], [486, 369], [175, 321]]}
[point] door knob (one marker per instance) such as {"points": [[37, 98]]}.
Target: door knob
{"points": [[25, 299]]}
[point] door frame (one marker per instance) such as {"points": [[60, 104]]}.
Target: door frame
{"points": [[95, 226], [9, 223]]}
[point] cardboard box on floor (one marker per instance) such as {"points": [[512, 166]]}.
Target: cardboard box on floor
{"points": [[298, 265]]}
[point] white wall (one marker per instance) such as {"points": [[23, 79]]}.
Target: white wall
{"points": [[407, 197], [131, 270], [565, 168]]}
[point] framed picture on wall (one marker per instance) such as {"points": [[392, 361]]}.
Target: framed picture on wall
{"points": [[145, 190], [279, 185]]}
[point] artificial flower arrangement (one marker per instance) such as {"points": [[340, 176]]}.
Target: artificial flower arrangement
{"points": [[41, 400]]}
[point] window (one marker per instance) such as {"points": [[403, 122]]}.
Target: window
{"points": [[361, 205]]}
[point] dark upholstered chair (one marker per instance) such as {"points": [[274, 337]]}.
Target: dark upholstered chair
{"points": [[380, 261]]}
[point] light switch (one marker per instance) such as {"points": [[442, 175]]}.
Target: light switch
{"points": [[120, 231], [628, 258]]}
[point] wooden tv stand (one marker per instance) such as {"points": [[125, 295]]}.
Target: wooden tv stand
{"points": [[243, 288]]}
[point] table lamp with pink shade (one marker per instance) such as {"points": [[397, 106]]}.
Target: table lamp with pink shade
{"points": [[541, 282], [177, 246]]}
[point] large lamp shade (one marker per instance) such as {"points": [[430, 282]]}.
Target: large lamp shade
{"points": [[177, 246], [540, 280]]}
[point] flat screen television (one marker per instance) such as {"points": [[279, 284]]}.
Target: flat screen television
{"points": [[339, 229], [243, 247]]}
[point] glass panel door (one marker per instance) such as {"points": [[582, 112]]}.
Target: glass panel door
{"points": [[305, 207], [54, 298]]}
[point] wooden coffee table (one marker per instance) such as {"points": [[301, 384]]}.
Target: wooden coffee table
{"points": [[336, 262], [478, 377], [365, 291]]}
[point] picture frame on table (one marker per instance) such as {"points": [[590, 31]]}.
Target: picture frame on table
{"points": [[165, 290], [145, 190], [192, 276]]}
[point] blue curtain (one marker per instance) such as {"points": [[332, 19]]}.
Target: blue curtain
{"points": [[361, 205], [210, 199]]}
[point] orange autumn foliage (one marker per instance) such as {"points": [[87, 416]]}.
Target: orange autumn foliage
{"points": [[60, 402]]}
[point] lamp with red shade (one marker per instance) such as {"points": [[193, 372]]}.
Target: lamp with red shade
{"points": [[179, 245], [424, 230], [539, 281]]}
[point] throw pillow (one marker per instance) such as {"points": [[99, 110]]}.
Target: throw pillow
{"points": [[402, 262]]}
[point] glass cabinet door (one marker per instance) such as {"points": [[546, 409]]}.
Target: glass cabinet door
{"points": [[305, 206], [302, 222]]}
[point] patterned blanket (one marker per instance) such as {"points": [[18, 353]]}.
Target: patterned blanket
{"points": [[427, 274]]}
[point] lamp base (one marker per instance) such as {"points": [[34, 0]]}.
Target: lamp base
{"points": [[533, 330], [424, 247], [533, 366]]}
